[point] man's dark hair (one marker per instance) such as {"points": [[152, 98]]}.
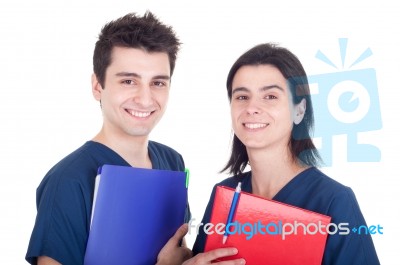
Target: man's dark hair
{"points": [[300, 144], [132, 31]]}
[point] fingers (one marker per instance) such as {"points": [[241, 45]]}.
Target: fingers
{"points": [[172, 252], [185, 254], [177, 238], [232, 262], [208, 257], [219, 253]]}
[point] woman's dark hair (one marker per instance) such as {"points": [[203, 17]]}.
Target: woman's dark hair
{"points": [[300, 144]]}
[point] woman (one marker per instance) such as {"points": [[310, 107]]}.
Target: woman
{"points": [[272, 117]]}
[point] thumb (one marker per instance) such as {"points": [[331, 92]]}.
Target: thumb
{"points": [[180, 233], [176, 239]]}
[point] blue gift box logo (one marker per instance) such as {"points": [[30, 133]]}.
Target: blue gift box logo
{"points": [[346, 103]]}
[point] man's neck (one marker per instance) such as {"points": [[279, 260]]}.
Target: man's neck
{"points": [[133, 150]]}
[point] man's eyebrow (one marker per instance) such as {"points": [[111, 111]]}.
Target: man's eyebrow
{"points": [[127, 74], [132, 74], [264, 88], [165, 77]]}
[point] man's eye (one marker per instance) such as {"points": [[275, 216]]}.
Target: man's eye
{"points": [[241, 97], [271, 97], [127, 82], [159, 83]]}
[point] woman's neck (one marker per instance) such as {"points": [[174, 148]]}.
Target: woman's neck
{"points": [[271, 171]]}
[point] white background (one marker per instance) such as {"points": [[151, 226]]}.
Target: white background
{"points": [[47, 110]]}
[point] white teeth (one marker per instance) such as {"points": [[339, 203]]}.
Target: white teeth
{"points": [[255, 125], [139, 114]]}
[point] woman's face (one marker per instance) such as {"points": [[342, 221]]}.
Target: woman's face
{"points": [[261, 107]]}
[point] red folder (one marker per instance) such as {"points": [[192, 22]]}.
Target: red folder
{"points": [[266, 231]]}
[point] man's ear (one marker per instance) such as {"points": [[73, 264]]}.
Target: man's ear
{"points": [[299, 111], [97, 89]]}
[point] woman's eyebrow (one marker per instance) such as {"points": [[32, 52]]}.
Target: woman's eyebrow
{"points": [[240, 89], [264, 88]]}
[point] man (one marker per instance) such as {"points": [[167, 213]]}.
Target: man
{"points": [[133, 61]]}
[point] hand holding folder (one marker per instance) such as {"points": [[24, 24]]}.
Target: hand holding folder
{"points": [[135, 212], [256, 230]]}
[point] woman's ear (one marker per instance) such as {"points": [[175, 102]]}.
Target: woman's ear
{"points": [[299, 111], [96, 88]]}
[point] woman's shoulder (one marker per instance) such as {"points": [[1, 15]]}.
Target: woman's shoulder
{"points": [[335, 195], [315, 177]]}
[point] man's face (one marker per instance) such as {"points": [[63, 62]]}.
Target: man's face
{"points": [[135, 92]]}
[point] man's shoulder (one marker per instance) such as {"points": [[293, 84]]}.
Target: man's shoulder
{"points": [[162, 148], [81, 160], [165, 157], [81, 155]]}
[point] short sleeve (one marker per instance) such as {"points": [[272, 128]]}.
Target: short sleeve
{"points": [[61, 226]]}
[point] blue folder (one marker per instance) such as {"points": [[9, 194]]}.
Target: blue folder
{"points": [[135, 212]]}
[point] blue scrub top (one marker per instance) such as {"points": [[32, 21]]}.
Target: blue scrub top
{"points": [[64, 199]]}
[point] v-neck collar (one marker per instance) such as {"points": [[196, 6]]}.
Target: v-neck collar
{"points": [[286, 190], [153, 157]]}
